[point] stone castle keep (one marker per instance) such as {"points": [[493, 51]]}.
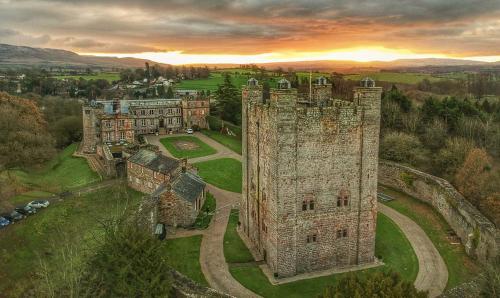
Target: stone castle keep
{"points": [[310, 176]]}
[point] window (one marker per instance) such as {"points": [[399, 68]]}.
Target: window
{"points": [[108, 124], [203, 112], [342, 200], [143, 122], [311, 238], [122, 123], [151, 112], [87, 112], [342, 233], [122, 135], [311, 205], [304, 205], [160, 111], [143, 112], [151, 122]]}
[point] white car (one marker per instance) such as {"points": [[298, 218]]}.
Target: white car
{"points": [[189, 131], [39, 204]]}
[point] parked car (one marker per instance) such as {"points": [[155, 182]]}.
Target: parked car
{"points": [[13, 216], [4, 222], [39, 204], [189, 130], [26, 210]]}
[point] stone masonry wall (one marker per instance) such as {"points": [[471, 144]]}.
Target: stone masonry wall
{"points": [[145, 180], [479, 236], [175, 211], [295, 155]]}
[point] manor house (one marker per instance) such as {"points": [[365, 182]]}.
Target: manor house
{"points": [[309, 199], [121, 121]]}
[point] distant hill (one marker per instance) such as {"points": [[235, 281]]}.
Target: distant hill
{"points": [[20, 56]]}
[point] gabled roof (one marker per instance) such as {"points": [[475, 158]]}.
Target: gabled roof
{"points": [[155, 161], [188, 186]]}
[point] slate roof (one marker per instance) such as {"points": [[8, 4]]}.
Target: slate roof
{"points": [[154, 161], [188, 186]]}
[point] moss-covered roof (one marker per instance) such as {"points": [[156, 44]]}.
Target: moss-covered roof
{"points": [[155, 161]]}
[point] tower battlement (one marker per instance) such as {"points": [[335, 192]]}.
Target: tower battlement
{"points": [[310, 176]]}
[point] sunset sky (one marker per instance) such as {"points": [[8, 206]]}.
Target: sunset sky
{"points": [[249, 31]]}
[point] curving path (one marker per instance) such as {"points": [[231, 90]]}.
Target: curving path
{"points": [[432, 275], [212, 260], [432, 272]]}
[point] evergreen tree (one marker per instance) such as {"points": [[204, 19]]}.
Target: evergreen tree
{"points": [[129, 263], [170, 92], [229, 101]]}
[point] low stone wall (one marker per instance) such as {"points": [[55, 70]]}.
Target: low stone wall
{"points": [[479, 235], [106, 160]]}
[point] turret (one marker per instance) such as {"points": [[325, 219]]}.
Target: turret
{"points": [[321, 90], [284, 95]]}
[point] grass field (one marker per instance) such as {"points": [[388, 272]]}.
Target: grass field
{"points": [[393, 77], [109, 76], [235, 251], [74, 222], [460, 267], [391, 245], [211, 83], [201, 149], [63, 172], [183, 254], [225, 173], [230, 142], [206, 213]]}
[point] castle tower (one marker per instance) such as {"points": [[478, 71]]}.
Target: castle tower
{"points": [[310, 178], [90, 128], [321, 90]]}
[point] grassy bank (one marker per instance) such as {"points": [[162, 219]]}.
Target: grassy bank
{"points": [[62, 172], [74, 222], [225, 173], [461, 268], [183, 254]]}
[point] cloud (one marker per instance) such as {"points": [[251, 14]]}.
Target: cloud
{"points": [[252, 26]]}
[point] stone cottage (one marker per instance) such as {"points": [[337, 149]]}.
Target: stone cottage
{"points": [[181, 201], [180, 194]]}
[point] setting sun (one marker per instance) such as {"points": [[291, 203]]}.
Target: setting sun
{"points": [[368, 54]]}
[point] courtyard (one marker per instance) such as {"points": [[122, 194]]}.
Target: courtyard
{"points": [[186, 147]]}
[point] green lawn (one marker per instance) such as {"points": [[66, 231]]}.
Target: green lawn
{"points": [[63, 172], [461, 268], [225, 173], [211, 83], [202, 149], [394, 77], [206, 213], [109, 76], [183, 254], [74, 222], [391, 245], [235, 250], [230, 142]]}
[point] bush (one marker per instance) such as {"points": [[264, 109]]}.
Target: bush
{"points": [[377, 284], [401, 147]]}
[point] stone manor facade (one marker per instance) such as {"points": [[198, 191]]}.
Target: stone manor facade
{"points": [[309, 198], [120, 121]]}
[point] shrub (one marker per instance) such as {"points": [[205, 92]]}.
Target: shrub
{"points": [[377, 284]]}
